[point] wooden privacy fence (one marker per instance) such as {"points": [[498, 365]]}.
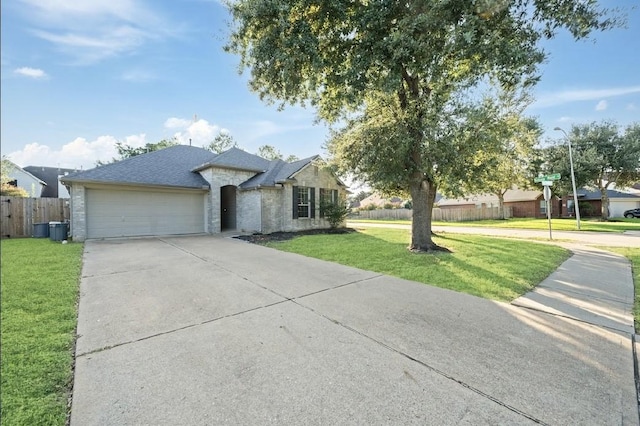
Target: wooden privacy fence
{"points": [[19, 214], [445, 215]]}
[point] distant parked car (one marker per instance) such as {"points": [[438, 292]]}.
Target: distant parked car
{"points": [[632, 213]]}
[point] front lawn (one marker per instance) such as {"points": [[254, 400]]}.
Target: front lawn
{"points": [[493, 268], [39, 309], [617, 225]]}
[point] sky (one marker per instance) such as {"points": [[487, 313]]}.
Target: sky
{"points": [[78, 76]]}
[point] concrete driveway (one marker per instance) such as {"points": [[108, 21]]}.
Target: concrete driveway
{"points": [[211, 330]]}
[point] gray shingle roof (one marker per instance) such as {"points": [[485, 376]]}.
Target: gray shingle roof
{"points": [[167, 167], [237, 159], [178, 166], [587, 194], [278, 171], [50, 176]]}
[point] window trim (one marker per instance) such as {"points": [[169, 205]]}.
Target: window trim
{"points": [[311, 204]]}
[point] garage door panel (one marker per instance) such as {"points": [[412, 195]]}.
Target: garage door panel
{"points": [[113, 213]]}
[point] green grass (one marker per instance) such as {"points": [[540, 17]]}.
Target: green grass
{"points": [[493, 268], [619, 225], [633, 254], [39, 298]]}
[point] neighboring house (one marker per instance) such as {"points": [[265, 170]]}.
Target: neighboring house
{"points": [[378, 201], [21, 178], [523, 203], [51, 176], [189, 190], [618, 202]]}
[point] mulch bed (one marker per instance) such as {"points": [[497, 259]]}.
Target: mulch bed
{"points": [[283, 236]]}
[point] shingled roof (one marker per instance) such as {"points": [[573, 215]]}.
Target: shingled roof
{"points": [[278, 171], [236, 158], [178, 166], [167, 167]]}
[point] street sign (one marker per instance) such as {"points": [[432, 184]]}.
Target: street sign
{"points": [[547, 183], [547, 193], [553, 176]]}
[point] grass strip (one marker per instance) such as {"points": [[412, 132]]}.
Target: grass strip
{"points": [[619, 225], [493, 268], [40, 281]]}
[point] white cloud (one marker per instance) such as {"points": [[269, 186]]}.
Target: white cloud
{"points": [[631, 107], [564, 119], [196, 133], [177, 123], [567, 96], [79, 153], [90, 31], [31, 72], [137, 76], [602, 105]]}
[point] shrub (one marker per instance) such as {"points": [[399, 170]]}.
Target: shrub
{"points": [[335, 213]]}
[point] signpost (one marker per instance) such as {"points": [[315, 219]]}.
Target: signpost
{"points": [[547, 182]]}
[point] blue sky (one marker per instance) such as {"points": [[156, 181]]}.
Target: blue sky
{"points": [[79, 76]]}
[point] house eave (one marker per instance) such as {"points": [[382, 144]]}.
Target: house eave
{"points": [[89, 182], [224, 166]]}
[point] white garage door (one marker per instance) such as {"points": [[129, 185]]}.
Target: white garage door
{"points": [[125, 213]]}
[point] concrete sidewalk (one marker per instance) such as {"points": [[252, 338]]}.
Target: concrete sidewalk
{"points": [[206, 330], [593, 286]]}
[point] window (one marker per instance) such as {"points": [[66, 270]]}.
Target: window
{"points": [[543, 207], [303, 202], [327, 196]]}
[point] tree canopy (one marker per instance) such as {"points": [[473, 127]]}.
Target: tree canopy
{"points": [[604, 155], [6, 188], [272, 153], [399, 74], [222, 142], [127, 151]]}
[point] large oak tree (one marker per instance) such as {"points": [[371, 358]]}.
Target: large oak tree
{"points": [[405, 63], [604, 156]]}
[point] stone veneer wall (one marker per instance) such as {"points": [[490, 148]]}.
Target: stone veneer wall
{"points": [[248, 217], [78, 213], [217, 178], [272, 209], [310, 176]]}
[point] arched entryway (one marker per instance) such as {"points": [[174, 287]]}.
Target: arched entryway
{"points": [[228, 207]]}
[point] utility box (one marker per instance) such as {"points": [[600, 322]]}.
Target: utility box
{"points": [[58, 231]]}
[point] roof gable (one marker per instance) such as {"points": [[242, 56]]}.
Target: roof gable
{"points": [[167, 167], [235, 158]]}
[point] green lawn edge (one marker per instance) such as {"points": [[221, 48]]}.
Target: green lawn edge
{"points": [[40, 290], [493, 268], [616, 225]]}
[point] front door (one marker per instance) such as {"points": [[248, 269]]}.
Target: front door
{"points": [[228, 207]]}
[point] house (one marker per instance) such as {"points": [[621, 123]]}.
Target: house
{"points": [[523, 203], [378, 201], [189, 190], [591, 202], [51, 176], [21, 178]]}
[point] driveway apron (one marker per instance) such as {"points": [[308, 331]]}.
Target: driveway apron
{"points": [[211, 330]]}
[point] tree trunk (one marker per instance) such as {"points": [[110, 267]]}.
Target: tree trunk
{"points": [[423, 195], [604, 201], [501, 205]]}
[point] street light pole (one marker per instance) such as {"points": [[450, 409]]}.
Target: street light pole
{"points": [[576, 208]]}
